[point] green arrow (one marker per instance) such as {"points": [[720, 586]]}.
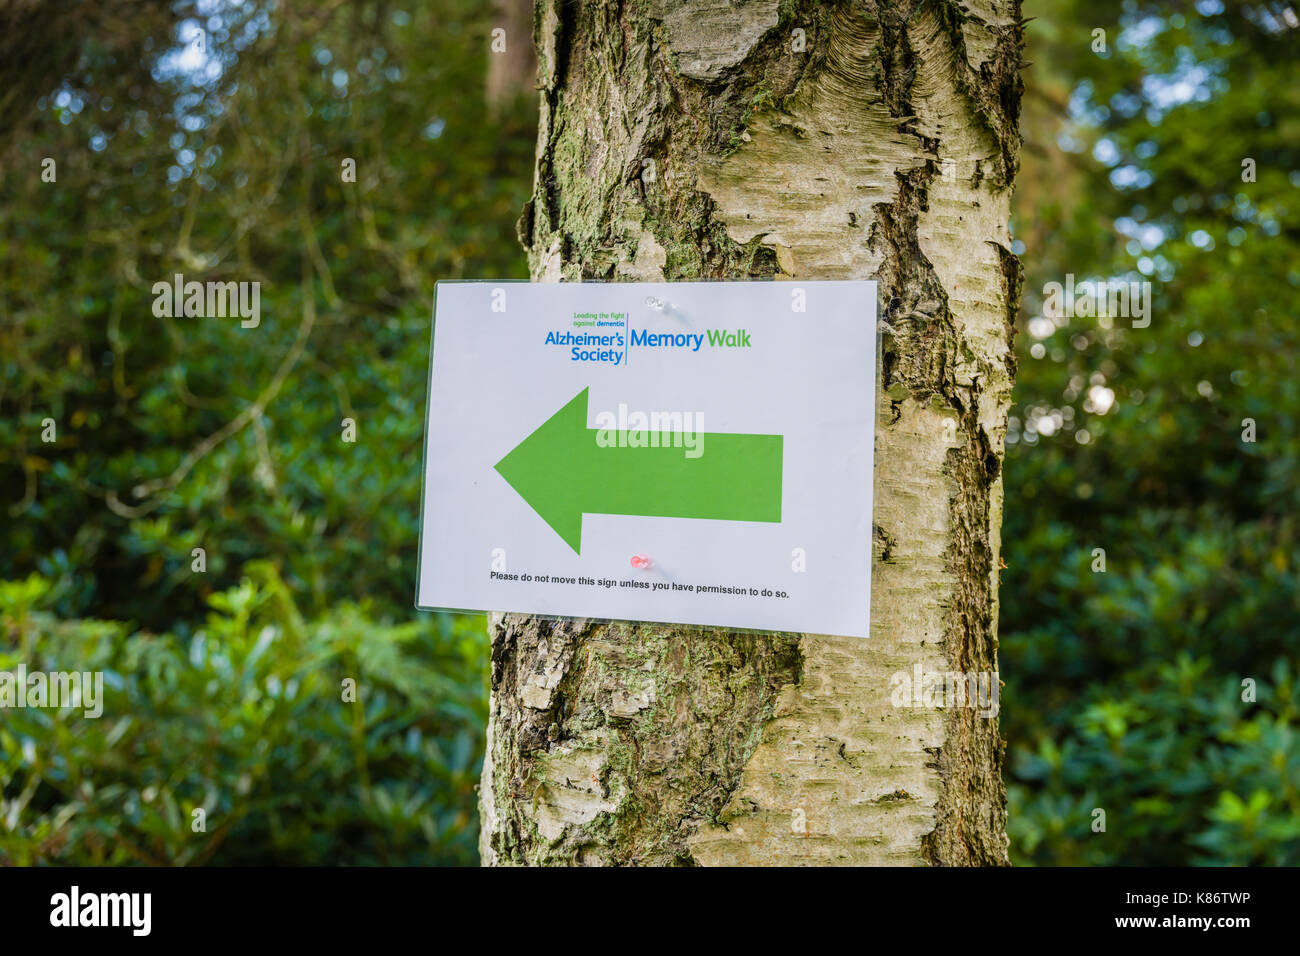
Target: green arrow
{"points": [[563, 474]]}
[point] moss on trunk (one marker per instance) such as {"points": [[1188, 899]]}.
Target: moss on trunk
{"points": [[788, 140]]}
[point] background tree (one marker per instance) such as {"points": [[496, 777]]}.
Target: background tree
{"points": [[784, 141]]}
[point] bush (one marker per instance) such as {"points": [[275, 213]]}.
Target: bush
{"points": [[245, 719]]}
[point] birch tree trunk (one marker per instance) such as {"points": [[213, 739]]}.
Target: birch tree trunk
{"points": [[708, 139]]}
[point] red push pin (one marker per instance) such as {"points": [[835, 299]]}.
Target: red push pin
{"points": [[642, 562]]}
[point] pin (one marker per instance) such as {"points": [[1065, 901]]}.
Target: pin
{"points": [[642, 562], [667, 308]]}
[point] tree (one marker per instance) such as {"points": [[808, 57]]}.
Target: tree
{"points": [[768, 140]]}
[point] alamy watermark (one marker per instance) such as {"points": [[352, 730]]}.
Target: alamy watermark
{"points": [[978, 690], [133, 911], [210, 300], [1109, 298], [651, 430], [57, 689]]}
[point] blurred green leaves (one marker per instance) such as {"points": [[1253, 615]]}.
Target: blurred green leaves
{"points": [[224, 685], [1124, 688], [236, 174], [246, 719]]}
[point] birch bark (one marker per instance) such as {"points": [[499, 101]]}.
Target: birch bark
{"points": [[784, 140]]}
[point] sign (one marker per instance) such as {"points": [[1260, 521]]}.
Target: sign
{"points": [[693, 453]]}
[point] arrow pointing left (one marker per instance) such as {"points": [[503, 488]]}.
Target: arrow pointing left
{"points": [[563, 473]]}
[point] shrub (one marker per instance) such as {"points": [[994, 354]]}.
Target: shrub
{"points": [[246, 720]]}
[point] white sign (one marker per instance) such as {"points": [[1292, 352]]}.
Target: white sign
{"points": [[695, 453]]}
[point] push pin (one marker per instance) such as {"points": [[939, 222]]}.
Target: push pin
{"points": [[642, 562], [669, 309]]}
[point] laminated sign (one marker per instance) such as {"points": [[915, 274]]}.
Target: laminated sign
{"points": [[696, 453]]}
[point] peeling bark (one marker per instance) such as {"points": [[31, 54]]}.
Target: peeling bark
{"points": [[886, 148]]}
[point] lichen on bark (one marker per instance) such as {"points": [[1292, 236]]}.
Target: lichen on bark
{"points": [[884, 148], [613, 742]]}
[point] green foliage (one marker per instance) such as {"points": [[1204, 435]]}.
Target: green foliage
{"points": [[247, 720], [188, 432], [175, 433], [1124, 687]]}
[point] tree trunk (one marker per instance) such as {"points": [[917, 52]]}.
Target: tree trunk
{"points": [[512, 62], [712, 139]]}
